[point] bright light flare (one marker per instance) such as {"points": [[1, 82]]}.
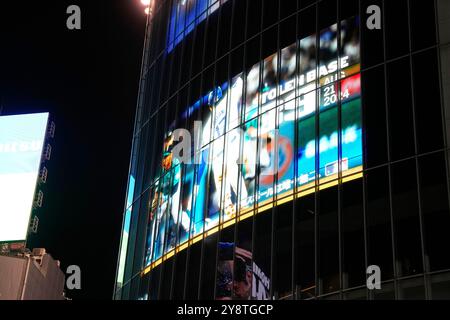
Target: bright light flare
{"points": [[146, 10], [145, 2]]}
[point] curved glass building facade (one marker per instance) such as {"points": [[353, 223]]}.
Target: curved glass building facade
{"points": [[283, 147]]}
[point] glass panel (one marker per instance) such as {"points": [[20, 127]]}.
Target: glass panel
{"points": [[352, 228], [225, 265], [305, 234], [179, 276], [242, 269], [405, 209], [328, 241], [440, 286], [435, 210], [379, 228], [208, 269], [215, 183], [248, 165], [387, 292], [268, 157], [252, 93], [262, 256], [411, 289], [282, 282], [232, 179]]}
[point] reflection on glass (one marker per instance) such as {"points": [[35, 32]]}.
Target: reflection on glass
{"points": [[269, 91], [252, 93], [231, 176], [248, 164], [215, 183], [235, 102]]}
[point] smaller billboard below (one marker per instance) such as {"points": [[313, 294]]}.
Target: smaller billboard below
{"points": [[21, 144]]}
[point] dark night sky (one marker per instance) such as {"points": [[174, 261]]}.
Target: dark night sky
{"points": [[88, 81]]}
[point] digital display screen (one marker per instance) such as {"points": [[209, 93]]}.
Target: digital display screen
{"points": [[288, 124], [185, 15], [21, 144]]}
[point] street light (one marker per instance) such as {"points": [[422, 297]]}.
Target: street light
{"points": [[147, 4]]}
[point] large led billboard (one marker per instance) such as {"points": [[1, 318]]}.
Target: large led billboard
{"points": [[283, 128], [21, 144]]}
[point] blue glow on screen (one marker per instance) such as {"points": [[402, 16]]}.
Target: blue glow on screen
{"points": [[185, 15], [21, 144]]}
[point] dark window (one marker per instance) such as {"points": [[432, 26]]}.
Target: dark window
{"points": [[327, 13], [305, 3], [270, 12], [288, 32], [252, 54], [175, 69], [372, 47], [179, 276], [435, 209], [287, 7], [209, 268], [238, 33], [222, 71], [224, 280], [387, 292], [187, 58], [306, 23], [144, 286], [269, 42], [352, 222], [166, 284], [374, 114], [193, 271], [440, 286], [197, 58], [237, 61], [405, 211], [396, 28], [423, 34], [328, 241], [401, 128], [242, 265], [254, 8], [411, 289], [379, 229], [211, 39], [282, 282], [155, 277], [223, 44], [305, 247], [348, 9], [427, 101], [262, 255]]}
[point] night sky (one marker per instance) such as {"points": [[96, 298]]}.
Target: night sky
{"points": [[88, 81]]}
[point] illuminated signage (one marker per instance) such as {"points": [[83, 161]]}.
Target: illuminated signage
{"points": [[185, 15], [21, 144], [297, 111]]}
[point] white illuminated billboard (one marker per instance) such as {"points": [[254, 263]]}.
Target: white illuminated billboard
{"points": [[21, 144]]}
